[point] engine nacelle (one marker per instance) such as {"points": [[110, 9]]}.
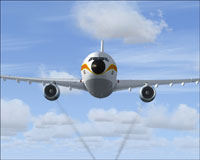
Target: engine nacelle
{"points": [[51, 92], [147, 93]]}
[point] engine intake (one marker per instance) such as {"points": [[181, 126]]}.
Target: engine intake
{"points": [[147, 93], [51, 92]]}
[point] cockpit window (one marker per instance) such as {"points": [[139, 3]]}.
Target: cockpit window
{"points": [[106, 59], [98, 58]]}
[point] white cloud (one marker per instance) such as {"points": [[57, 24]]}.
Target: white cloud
{"points": [[112, 115], [50, 133], [15, 116], [38, 135], [117, 20], [106, 129], [50, 125], [50, 119], [183, 118], [102, 124], [113, 123], [144, 144], [186, 142], [56, 74], [58, 126]]}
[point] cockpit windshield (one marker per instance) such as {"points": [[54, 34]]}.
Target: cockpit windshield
{"points": [[98, 58]]}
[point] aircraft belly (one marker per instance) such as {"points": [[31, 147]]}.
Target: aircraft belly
{"points": [[99, 88]]}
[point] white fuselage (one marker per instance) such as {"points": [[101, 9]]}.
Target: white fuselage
{"points": [[99, 73]]}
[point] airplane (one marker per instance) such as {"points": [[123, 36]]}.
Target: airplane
{"points": [[99, 78]]}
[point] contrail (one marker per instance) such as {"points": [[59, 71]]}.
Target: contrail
{"points": [[125, 139], [76, 130]]}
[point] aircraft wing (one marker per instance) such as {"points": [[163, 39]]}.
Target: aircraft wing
{"points": [[128, 84], [76, 84]]}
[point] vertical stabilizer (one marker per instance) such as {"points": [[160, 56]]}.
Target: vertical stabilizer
{"points": [[102, 46]]}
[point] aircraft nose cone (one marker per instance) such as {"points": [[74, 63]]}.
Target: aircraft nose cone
{"points": [[98, 66]]}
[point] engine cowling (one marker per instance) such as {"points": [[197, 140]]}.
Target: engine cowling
{"points": [[51, 92], [147, 93]]}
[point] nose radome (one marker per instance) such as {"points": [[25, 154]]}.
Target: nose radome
{"points": [[98, 66]]}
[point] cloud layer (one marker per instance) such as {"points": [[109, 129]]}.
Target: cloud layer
{"points": [[114, 123], [182, 118], [120, 20], [103, 130]]}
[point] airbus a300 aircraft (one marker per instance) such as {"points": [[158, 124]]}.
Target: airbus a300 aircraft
{"points": [[99, 78]]}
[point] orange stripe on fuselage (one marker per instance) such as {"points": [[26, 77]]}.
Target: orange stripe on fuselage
{"points": [[112, 66], [85, 66]]}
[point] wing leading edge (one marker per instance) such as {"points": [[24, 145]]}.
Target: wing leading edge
{"points": [[76, 84], [121, 84], [128, 84]]}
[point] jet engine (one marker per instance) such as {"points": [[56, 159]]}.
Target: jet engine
{"points": [[147, 93], [51, 92]]}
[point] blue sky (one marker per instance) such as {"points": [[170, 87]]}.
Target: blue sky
{"points": [[148, 40]]}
